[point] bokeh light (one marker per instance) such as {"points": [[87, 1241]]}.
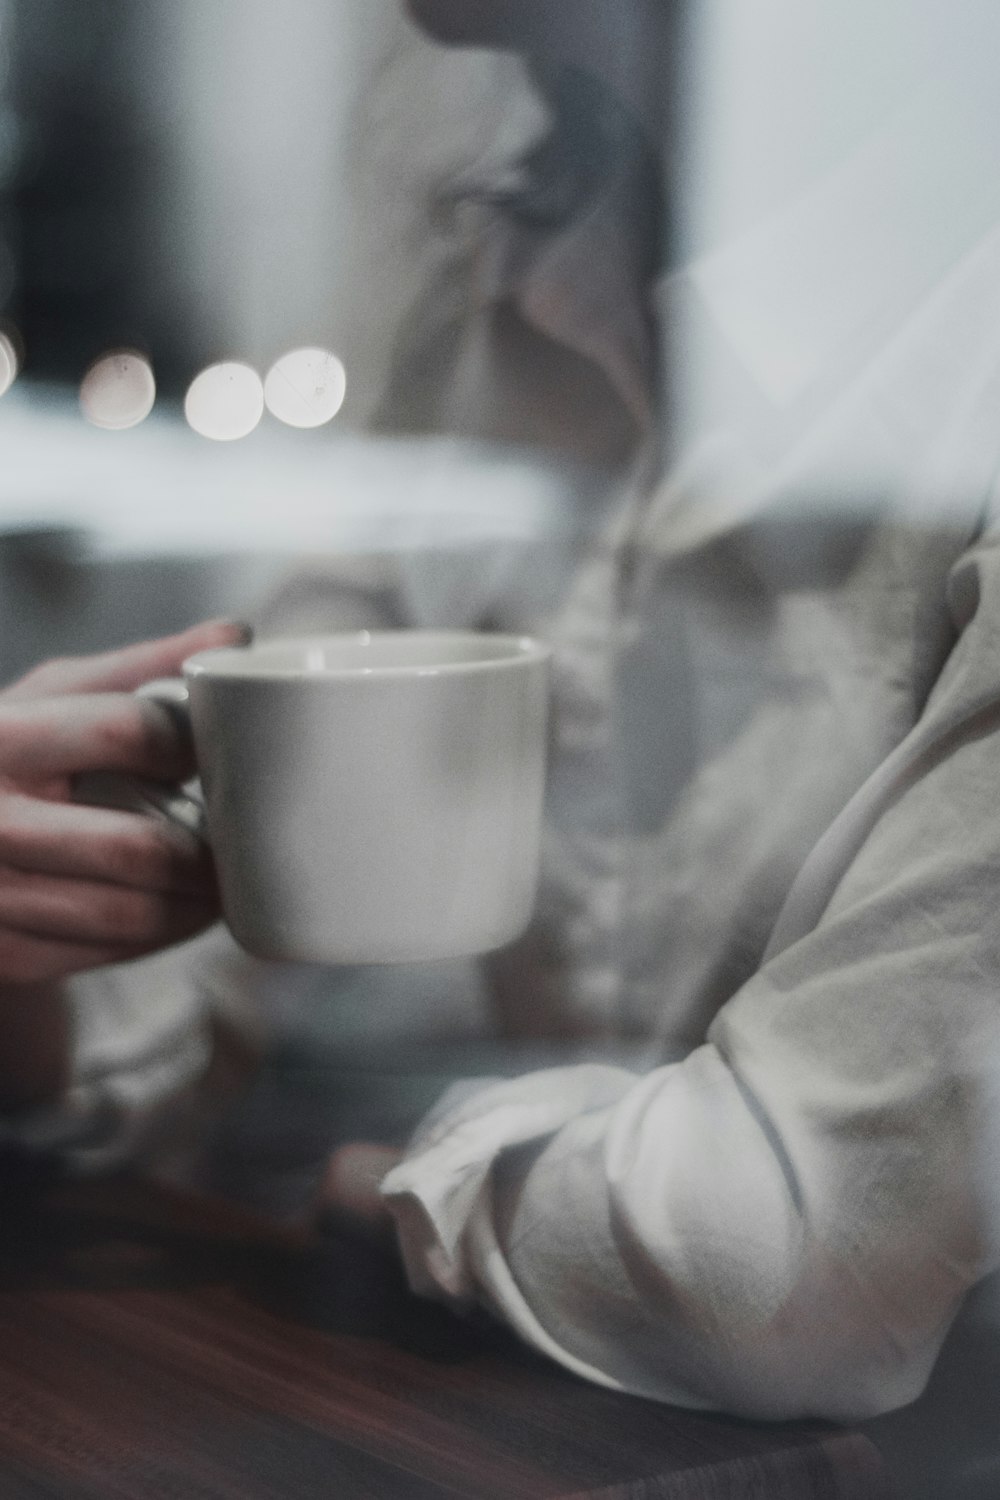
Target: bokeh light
{"points": [[225, 402], [118, 391], [9, 363], [306, 387]]}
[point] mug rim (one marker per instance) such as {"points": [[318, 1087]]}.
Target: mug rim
{"points": [[228, 663]]}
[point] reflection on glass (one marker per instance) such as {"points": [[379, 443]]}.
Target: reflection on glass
{"points": [[225, 402], [118, 391], [8, 272], [306, 387]]}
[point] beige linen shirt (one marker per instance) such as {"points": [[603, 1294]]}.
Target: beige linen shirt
{"points": [[774, 849]]}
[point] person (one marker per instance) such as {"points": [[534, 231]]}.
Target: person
{"points": [[772, 857], [766, 926]]}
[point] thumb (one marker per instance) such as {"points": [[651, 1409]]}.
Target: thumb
{"points": [[349, 1192]]}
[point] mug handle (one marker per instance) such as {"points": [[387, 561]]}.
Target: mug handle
{"points": [[183, 805]]}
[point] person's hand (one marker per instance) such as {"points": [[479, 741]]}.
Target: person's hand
{"points": [[85, 886], [349, 1197]]}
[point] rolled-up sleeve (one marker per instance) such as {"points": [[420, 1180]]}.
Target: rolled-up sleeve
{"points": [[783, 1224]]}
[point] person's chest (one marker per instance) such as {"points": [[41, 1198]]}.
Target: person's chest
{"points": [[708, 730]]}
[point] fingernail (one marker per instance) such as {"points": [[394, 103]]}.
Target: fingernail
{"points": [[244, 632]]}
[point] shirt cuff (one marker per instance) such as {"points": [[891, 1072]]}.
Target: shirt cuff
{"points": [[435, 1191]]}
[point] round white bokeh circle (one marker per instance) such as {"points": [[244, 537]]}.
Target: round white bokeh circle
{"points": [[225, 402], [8, 364], [118, 391], [306, 387]]}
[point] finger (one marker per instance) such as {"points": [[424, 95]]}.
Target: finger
{"points": [[98, 843], [45, 738], [27, 959], [126, 669], [96, 912]]}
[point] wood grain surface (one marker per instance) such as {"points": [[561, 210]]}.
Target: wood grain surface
{"points": [[159, 1344]]}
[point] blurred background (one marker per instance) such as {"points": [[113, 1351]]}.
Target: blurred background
{"points": [[214, 219], [218, 217]]}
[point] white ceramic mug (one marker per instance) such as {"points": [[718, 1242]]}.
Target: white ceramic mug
{"points": [[373, 797]]}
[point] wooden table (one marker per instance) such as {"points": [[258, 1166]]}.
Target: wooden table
{"points": [[159, 1344]]}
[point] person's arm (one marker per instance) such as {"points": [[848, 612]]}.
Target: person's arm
{"points": [[785, 1223], [83, 887]]}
